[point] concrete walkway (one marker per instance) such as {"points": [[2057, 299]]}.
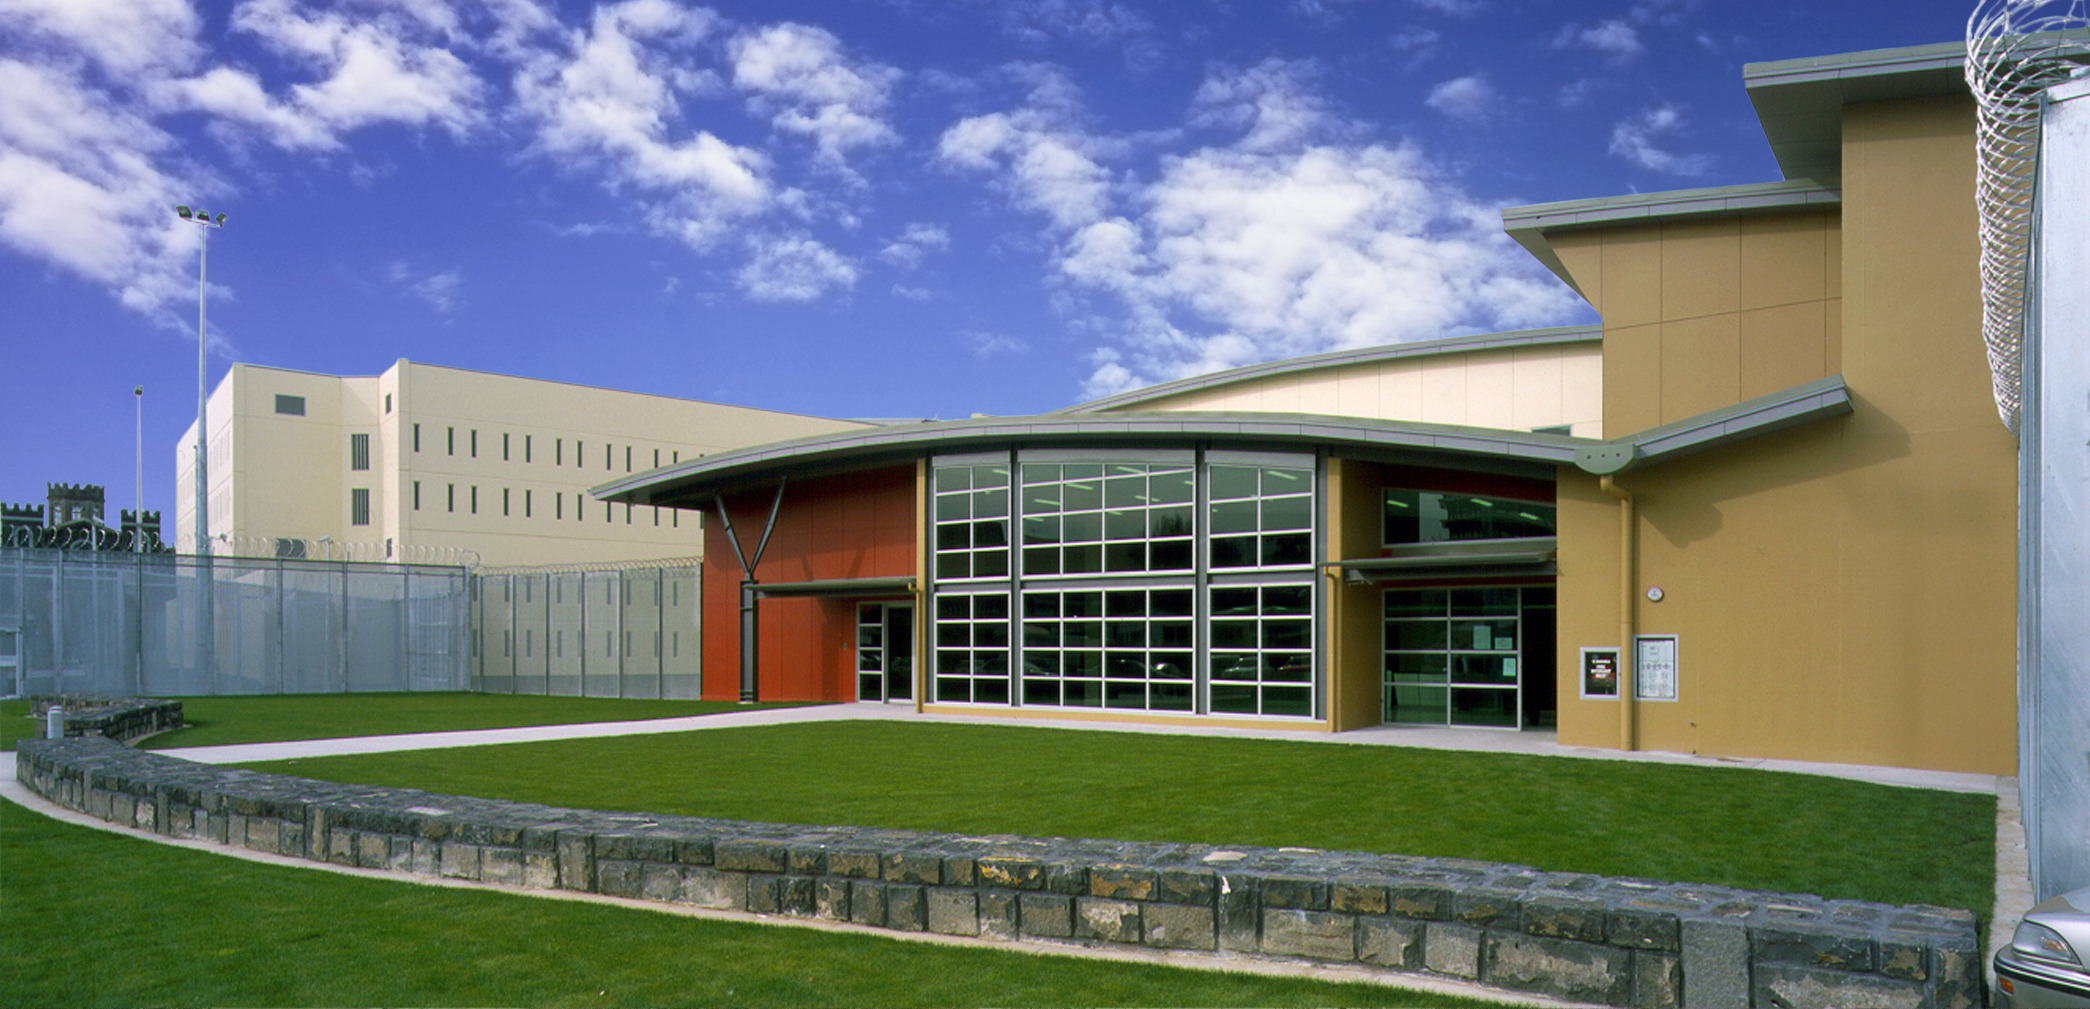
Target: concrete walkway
{"points": [[1541, 743], [2013, 891]]}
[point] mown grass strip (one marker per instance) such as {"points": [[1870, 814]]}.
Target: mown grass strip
{"points": [[94, 919], [268, 718], [1753, 829]]}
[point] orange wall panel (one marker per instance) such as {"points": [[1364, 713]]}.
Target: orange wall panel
{"points": [[858, 525]]}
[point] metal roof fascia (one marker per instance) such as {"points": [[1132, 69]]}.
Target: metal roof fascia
{"points": [[1800, 102], [902, 442], [1817, 400], [891, 585], [1528, 225]]}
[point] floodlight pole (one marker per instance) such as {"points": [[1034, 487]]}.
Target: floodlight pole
{"points": [[138, 518], [205, 618]]}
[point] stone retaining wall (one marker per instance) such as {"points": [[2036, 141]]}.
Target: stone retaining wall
{"points": [[120, 718], [1624, 942]]}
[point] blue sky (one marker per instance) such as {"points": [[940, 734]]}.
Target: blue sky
{"points": [[859, 208]]}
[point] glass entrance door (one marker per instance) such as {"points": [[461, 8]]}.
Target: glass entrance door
{"points": [[884, 651], [1460, 656]]}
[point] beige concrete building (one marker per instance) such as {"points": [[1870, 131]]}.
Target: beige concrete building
{"points": [[427, 463]]}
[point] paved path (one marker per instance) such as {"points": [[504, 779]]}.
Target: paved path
{"points": [[1429, 737]]}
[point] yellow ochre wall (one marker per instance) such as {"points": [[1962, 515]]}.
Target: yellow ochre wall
{"points": [[1356, 618], [1844, 591]]}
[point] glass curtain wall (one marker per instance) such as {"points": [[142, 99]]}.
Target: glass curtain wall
{"points": [[1063, 581]]}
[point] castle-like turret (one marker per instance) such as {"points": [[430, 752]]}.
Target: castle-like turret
{"points": [[74, 502]]}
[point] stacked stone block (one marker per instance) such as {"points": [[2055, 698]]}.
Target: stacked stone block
{"points": [[1613, 941], [120, 718]]}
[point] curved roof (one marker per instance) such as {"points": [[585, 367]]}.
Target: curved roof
{"points": [[842, 451], [1340, 359], [689, 483]]}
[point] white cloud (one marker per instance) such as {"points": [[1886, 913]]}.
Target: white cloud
{"points": [[1042, 157], [1615, 40], [1244, 256], [985, 344], [799, 76], [83, 186], [125, 37], [1089, 20], [609, 103], [1470, 98], [913, 293], [1638, 140], [442, 290], [1452, 8], [916, 242], [793, 269], [1293, 239], [390, 68], [1273, 101], [1418, 44]]}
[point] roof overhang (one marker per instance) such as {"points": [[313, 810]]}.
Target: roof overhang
{"points": [[1530, 225], [839, 588], [691, 484], [1800, 102], [1820, 399]]}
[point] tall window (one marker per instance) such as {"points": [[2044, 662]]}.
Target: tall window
{"points": [[359, 506], [504, 446], [359, 451], [972, 522], [1097, 602], [417, 437]]}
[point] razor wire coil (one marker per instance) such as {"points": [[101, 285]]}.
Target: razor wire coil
{"points": [[2016, 49]]}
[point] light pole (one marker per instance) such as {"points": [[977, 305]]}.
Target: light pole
{"points": [[138, 517], [206, 618], [207, 222]]}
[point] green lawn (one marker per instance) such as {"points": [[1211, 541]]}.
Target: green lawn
{"points": [[88, 918], [267, 718], [1744, 828]]}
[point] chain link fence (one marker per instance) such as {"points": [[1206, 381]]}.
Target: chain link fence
{"points": [[624, 631], [171, 624]]}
